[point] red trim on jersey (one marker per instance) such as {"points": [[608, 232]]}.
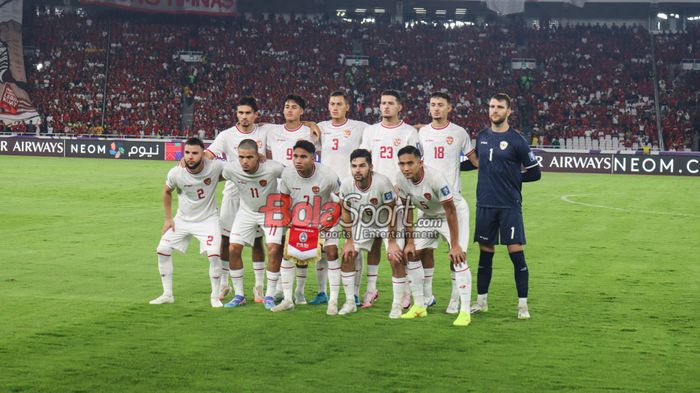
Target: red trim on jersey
{"points": [[204, 163], [215, 155], [422, 176], [297, 129], [470, 152], [310, 176], [368, 186], [392, 127], [213, 255], [441, 128], [340, 125], [243, 132]]}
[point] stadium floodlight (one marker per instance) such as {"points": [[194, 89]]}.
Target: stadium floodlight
{"points": [[340, 12], [694, 18], [39, 66], [661, 15], [440, 12], [460, 11], [360, 10], [420, 10], [379, 10]]}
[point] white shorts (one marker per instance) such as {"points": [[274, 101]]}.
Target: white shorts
{"points": [[207, 232], [331, 236], [247, 226], [230, 204], [428, 233]]}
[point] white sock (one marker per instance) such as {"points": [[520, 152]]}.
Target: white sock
{"points": [[237, 280], [455, 292], [463, 277], [301, 278], [322, 274], [272, 279], [259, 271], [522, 302], [359, 264], [224, 273], [372, 272], [398, 285], [215, 275], [415, 275], [428, 282], [334, 279], [348, 285], [165, 267], [287, 277], [482, 299]]}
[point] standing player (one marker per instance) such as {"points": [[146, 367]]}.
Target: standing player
{"points": [[309, 183], [196, 216], [384, 140], [340, 136], [226, 145], [443, 142], [280, 146], [426, 188], [368, 202], [254, 181], [502, 152]]}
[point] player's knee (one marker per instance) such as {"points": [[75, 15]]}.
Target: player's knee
{"points": [[274, 250], [331, 253], [164, 250], [235, 249]]}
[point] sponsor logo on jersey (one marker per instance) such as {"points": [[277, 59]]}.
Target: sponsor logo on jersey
{"points": [[397, 141], [427, 196], [388, 196], [263, 183], [207, 181], [316, 189], [445, 191], [373, 201], [503, 145], [450, 140], [484, 143]]}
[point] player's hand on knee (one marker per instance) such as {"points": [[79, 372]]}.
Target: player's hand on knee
{"points": [[410, 251], [169, 224], [394, 253], [349, 252], [457, 256]]}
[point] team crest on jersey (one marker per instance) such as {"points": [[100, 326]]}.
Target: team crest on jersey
{"points": [[316, 189], [373, 201], [397, 141], [207, 181], [503, 145], [260, 144], [346, 133], [450, 140], [263, 183], [427, 196]]}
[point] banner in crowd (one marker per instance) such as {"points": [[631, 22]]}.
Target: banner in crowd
{"points": [[117, 149], [680, 164], [14, 101], [206, 7]]}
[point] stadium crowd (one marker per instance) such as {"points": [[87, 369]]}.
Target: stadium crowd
{"points": [[591, 81]]}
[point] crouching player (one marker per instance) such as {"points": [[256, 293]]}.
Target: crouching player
{"points": [[426, 188], [196, 216]]}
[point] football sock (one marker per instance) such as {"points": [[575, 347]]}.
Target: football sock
{"points": [[215, 275], [322, 274], [372, 272], [287, 277], [237, 280], [398, 285], [521, 273], [428, 282], [348, 279], [483, 275], [165, 267], [359, 264], [301, 278], [415, 275], [272, 279], [463, 278], [259, 271], [334, 279]]}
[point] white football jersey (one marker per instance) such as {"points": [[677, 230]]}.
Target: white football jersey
{"points": [[442, 148], [338, 142], [428, 194], [357, 201], [384, 143], [280, 141], [254, 188], [323, 183], [225, 146], [196, 193]]}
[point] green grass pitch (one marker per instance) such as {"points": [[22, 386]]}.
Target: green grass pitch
{"points": [[614, 284]]}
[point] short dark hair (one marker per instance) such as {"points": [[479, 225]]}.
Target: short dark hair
{"points": [[299, 101], [339, 93], [248, 101], [439, 94], [194, 141], [306, 145], [360, 153], [410, 150], [502, 97], [248, 144], [394, 93]]}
